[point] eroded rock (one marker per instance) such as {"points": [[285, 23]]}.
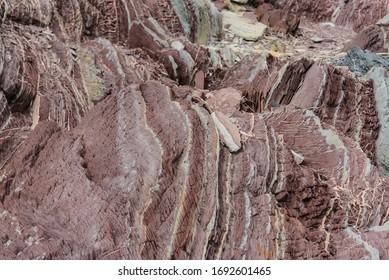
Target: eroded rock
{"points": [[122, 139], [361, 61], [281, 20], [243, 28], [371, 38]]}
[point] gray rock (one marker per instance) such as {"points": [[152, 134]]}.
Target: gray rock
{"points": [[381, 84], [361, 61]]}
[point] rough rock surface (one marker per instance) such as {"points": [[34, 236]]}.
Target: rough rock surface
{"points": [[371, 38], [124, 136], [240, 27], [279, 19], [361, 61], [352, 13]]}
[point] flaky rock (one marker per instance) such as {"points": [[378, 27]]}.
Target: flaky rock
{"points": [[281, 20], [114, 146]]}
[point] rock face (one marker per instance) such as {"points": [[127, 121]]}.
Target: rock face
{"points": [[361, 61], [281, 20], [356, 13], [371, 38], [240, 27], [124, 136]]}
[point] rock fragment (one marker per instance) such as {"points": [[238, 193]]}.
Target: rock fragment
{"points": [[371, 38], [228, 132], [226, 100], [298, 159]]}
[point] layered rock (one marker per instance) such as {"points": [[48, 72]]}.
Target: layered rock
{"points": [[178, 193], [122, 139], [372, 38], [281, 20], [61, 72], [355, 14]]}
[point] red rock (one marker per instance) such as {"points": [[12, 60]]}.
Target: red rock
{"points": [[199, 80], [281, 20], [107, 152], [371, 38], [346, 13]]}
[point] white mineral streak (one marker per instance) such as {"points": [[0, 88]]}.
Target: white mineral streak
{"points": [[374, 253], [228, 132]]}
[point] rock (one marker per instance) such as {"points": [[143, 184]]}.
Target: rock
{"points": [[371, 38], [235, 7], [281, 20], [298, 159], [345, 13], [121, 137], [243, 28], [250, 16], [132, 122], [226, 100], [220, 4], [361, 61], [199, 80], [307, 85], [228, 132], [383, 21], [379, 75]]}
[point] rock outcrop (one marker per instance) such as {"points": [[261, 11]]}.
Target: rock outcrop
{"points": [[279, 19], [123, 135], [372, 38], [355, 13]]}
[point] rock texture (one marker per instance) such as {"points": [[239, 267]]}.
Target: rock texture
{"points": [[362, 61], [279, 19], [239, 26], [352, 13], [371, 38], [124, 135]]}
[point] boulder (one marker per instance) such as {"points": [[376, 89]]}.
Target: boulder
{"points": [[242, 27]]}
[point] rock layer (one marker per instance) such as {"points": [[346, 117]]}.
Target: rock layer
{"points": [[281, 20], [122, 139], [355, 14]]}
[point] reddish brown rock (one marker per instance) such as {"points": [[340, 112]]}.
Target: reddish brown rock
{"points": [[281, 20], [355, 14], [371, 38], [108, 151], [262, 192]]}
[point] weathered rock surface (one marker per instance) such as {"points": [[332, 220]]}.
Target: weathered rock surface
{"points": [[371, 38], [240, 27], [279, 19], [122, 136], [355, 14], [361, 61]]}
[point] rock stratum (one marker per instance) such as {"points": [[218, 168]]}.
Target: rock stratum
{"points": [[158, 130]]}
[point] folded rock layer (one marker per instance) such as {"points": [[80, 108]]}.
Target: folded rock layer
{"points": [[123, 136]]}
